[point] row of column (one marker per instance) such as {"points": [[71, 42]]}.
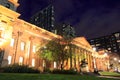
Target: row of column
{"points": [[79, 55]]}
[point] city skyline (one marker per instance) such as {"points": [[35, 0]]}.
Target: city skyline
{"points": [[92, 18]]}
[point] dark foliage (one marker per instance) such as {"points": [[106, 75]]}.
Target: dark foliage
{"points": [[47, 70], [15, 68], [58, 71]]}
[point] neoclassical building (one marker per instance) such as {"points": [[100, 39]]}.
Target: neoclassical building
{"points": [[19, 41]]}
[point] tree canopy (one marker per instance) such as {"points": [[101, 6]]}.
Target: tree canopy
{"points": [[54, 50]]}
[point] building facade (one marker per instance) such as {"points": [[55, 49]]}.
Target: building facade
{"points": [[19, 41], [110, 42]]}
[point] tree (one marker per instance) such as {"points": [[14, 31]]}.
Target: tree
{"points": [[54, 50]]}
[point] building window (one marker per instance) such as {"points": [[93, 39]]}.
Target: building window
{"points": [[9, 59], [114, 47], [12, 42], [22, 46], [7, 5], [33, 62], [43, 63], [34, 49], [115, 50], [55, 64], [20, 60], [117, 35], [109, 48]]}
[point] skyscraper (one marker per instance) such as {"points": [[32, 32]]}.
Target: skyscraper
{"points": [[65, 30], [45, 18]]}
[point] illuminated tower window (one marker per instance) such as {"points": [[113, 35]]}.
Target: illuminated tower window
{"points": [[33, 62], [9, 59], [12, 42], [20, 60], [22, 46]]}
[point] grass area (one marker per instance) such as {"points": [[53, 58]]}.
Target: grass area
{"points": [[110, 73], [16, 76]]}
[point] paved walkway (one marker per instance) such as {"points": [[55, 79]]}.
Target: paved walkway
{"points": [[113, 77], [118, 78]]}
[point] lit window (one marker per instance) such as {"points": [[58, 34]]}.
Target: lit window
{"points": [[118, 41], [114, 47], [55, 65], [109, 48], [9, 59], [34, 49], [22, 46], [52, 18], [97, 44], [117, 35], [43, 63], [33, 62], [21, 60], [12, 42]]}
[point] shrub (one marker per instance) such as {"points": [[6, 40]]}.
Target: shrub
{"points": [[47, 70], [58, 71], [15, 68]]}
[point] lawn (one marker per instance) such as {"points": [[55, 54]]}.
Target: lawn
{"points": [[109, 73], [17, 76]]}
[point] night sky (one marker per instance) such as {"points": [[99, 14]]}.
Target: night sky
{"points": [[90, 18]]}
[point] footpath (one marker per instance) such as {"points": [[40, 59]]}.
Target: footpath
{"points": [[113, 77], [98, 75]]}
